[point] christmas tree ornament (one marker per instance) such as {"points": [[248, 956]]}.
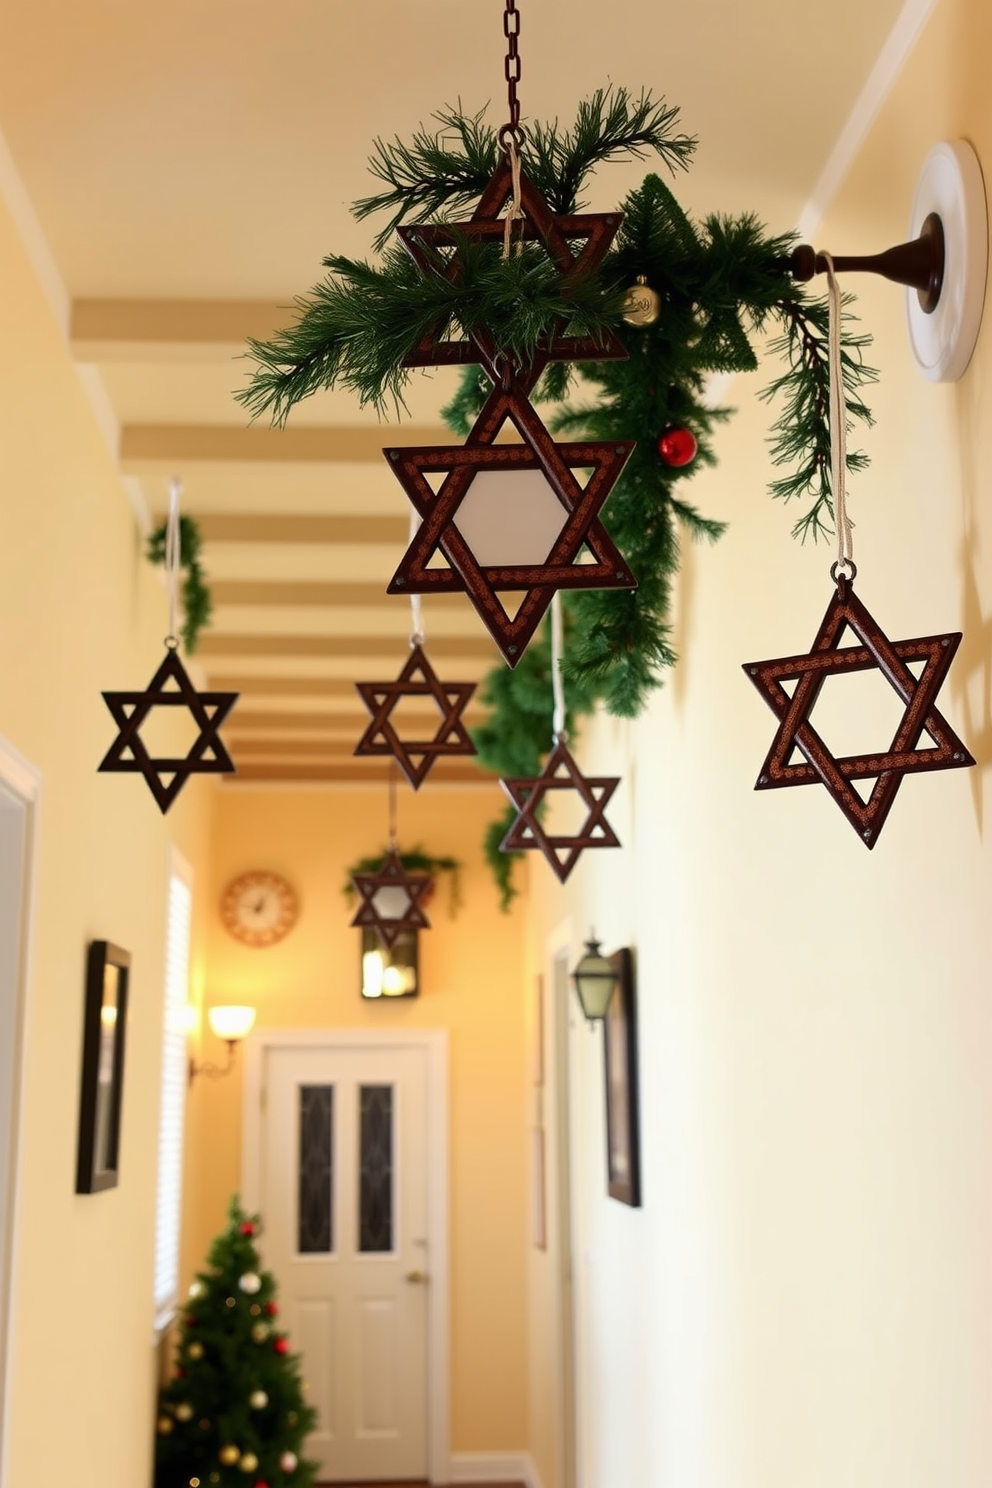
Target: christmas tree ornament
{"points": [[272, 1308], [195, 1351], [907, 753], [255, 1310], [288, 1462], [561, 774], [184, 1411], [229, 1455], [169, 688], [258, 1400], [230, 1301], [417, 680], [250, 1283], [196, 1289], [247, 1228], [164, 1425], [248, 1462], [260, 1332], [678, 446], [281, 1346], [641, 303]]}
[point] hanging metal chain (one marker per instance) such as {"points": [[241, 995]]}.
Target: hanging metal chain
{"points": [[511, 71]]}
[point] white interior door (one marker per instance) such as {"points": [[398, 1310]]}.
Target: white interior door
{"points": [[344, 1206]]}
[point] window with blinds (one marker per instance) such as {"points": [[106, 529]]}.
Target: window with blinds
{"points": [[173, 1103]]}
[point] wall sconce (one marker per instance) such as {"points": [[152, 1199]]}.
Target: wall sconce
{"points": [[594, 980], [390, 971], [230, 1023]]}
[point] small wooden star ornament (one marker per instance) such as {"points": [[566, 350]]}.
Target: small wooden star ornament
{"points": [[560, 773], [390, 899], [906, 754], [169, 688], [418, 679]]}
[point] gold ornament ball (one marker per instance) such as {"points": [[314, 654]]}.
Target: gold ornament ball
{"points": [[288, 1462], [215, 1477], [250, 1283], [248, 1463], [255, 1310], [184, 1411], [229, 1455], [197, 1289], [231, 1301], [641, 304], [196, 1350], [194, 1483], [260, 1332], [258, 1400], [164, 1426]]}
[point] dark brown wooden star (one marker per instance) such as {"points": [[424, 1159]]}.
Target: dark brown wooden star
{"points": [[435, 250], [581, 528], [560, 773], [418, 679], [904, 756], [169, 688], [391, 889]]}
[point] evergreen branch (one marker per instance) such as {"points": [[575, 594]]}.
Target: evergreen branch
{"points": [[197, 604]]}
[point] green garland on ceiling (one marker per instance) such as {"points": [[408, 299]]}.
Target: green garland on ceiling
{"points": [[723, 284], [197, 604]]}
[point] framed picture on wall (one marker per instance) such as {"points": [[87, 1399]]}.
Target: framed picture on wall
{"points": [[623, 1170], [104, 1025]]}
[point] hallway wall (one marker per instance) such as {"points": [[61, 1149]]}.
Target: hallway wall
{"points": [[471, 979], [80, 610], [804, 1298]]}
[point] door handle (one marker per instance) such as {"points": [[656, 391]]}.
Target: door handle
{"points": [[415, 1276]]}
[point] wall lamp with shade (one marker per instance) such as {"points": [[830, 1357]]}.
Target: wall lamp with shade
{"points": [[595, 979], [229, 1022]]}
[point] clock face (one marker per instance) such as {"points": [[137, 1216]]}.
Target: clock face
{"points": [[259, 908]]}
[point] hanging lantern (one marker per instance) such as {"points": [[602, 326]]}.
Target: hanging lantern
{"points": [[594, 980]]}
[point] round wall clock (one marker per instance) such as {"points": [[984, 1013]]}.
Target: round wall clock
{"points": [[259, 908]]}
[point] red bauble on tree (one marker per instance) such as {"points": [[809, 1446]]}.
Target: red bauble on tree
{"points": [[281, 1346], [247, 1228], [272, 1308], [677, 446]]}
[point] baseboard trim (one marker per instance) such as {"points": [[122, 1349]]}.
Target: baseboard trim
{"points": [[494, 1467]]}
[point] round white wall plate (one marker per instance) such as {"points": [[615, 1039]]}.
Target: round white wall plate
{"points": [[951, 185]]}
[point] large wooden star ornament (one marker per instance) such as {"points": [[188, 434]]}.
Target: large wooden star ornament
{"points": [[418, 679], [390, 899], [560, 773], [906, 754], [581, 533], [435, 249], [169, 688]]}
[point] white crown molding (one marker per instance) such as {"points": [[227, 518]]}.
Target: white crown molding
{"points": [[888, 65]]}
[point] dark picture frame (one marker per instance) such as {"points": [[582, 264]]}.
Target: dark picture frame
{"points": [[623, 1146], [108, 970]]}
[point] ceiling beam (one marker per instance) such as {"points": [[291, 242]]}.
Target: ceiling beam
{"points": [[272, 721], [217, 643], [152, 449], [246, 528], [170, 330], [290, 592], [443, 773], [329, 687]]}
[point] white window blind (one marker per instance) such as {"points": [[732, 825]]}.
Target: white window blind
{"points": [[173, 1104]]}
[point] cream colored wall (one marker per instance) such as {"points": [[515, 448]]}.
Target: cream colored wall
{"points": [[79, 611], [471, 978], [804, 1298]]}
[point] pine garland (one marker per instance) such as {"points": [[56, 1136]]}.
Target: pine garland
{"points": [[196, 600], [722, 283]]}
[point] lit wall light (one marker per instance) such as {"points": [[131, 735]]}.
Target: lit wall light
{"points": [[230, 1023], [393, 972]]}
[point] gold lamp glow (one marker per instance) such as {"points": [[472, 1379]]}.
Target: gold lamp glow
{"points": [[230, 1022]]}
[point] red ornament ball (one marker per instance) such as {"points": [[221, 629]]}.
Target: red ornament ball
{"points": [[260, 1483], [281, 1346], [191, 1322], [247, 1228], [677, 446], [272, 1308]]}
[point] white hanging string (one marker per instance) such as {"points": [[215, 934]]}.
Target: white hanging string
{"points": [[557, 682], [172, 557], [416, 615], [838, 429], [516, 211]]}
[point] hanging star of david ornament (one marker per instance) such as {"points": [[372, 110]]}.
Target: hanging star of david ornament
{"points": [[435, 250], [390, 899], [477, 539], [906, 754], [169, 688], [418, 679], [560, 774]]}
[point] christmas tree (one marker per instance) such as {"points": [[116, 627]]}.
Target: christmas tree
{"points": [[234, 1412]]}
